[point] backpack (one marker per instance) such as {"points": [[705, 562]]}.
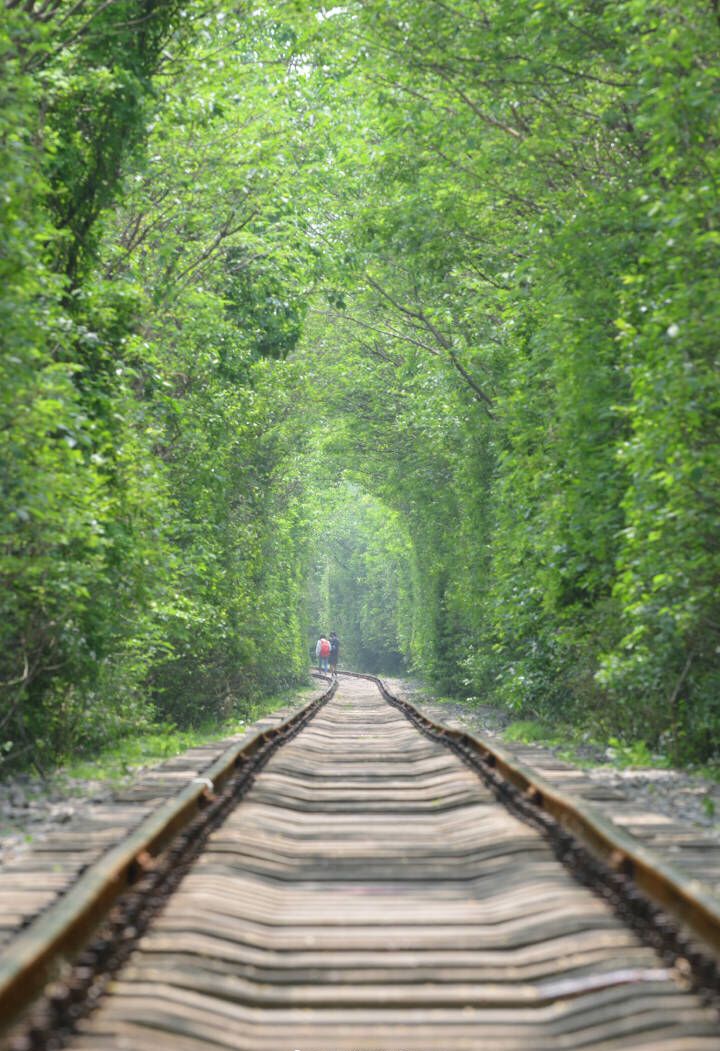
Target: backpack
{"points": [[324, 648]]}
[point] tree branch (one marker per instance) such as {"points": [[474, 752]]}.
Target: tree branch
{"points": [[444, 342]]}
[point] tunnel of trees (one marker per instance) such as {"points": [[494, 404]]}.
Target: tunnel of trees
{"points": [[394, 317]]}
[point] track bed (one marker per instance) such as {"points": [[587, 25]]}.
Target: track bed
{"points": [[369, 894]]}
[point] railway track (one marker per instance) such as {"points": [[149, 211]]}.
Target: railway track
{"points": [[371, 892]]}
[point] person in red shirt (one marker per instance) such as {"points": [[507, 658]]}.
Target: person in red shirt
{"points": [[322, 652]]}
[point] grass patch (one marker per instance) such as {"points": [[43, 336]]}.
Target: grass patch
{"points": [[585, 749], [163, 741], [531, 731], [581, 747]]}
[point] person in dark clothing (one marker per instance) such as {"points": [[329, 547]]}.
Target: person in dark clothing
{"points": [[334, 651]]}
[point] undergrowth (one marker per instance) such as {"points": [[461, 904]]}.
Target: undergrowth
{"points": [[164, 740], [582, 746]]}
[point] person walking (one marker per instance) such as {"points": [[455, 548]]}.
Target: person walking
{"points": [[322, 652], [334, 652]]}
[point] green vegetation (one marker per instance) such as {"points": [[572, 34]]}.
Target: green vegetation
{"points": [[394, 318], [362, 581], [581, 748], [116, 761]]}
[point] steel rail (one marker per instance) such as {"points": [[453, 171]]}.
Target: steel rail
{"points": [[34, 956], [634, 876], [687, 900]]}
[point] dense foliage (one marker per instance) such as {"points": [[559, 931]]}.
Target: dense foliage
{"points": [[534, 225], [396, 318], [362, 582], [153, 546]]}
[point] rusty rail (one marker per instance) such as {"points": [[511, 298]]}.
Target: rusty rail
{"points": [[686, 899], [32, 957]]}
